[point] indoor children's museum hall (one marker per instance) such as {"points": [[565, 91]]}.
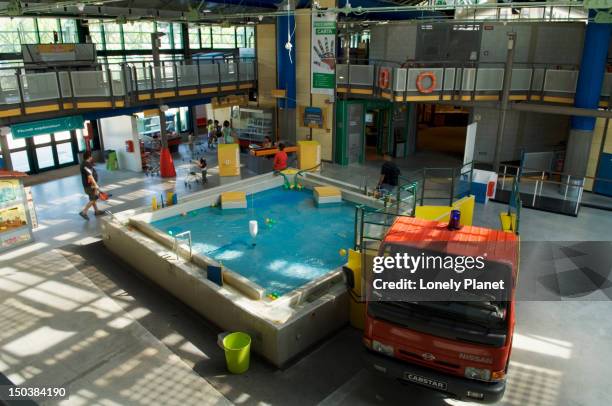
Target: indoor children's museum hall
{"points": [[306, 202]]}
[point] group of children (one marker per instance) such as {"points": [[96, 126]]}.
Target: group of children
{"points": [[219, 134]]}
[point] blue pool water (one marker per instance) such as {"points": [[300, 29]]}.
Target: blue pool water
{"points": [[301, 242]]}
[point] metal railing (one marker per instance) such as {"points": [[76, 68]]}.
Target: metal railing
{"points": [[124, 81], [542, 184], [185, 235], [459, 80], [441, 185], [371, 225]]}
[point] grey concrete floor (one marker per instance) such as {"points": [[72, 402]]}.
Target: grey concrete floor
{"points": [[561, 355]]}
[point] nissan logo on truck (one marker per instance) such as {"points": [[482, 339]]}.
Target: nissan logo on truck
{"points": [[476, 358]]}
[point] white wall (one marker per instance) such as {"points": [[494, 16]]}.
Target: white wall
{"points": [[115, 132], [532, 132]]}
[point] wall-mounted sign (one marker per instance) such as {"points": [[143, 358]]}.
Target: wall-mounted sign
{"points": [[313, 117], [323, 54], [52, 125], [56, 52], [229, 101]]}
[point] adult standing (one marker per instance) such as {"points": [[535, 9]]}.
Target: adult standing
{"points": [[389, 175], [89, 178]]}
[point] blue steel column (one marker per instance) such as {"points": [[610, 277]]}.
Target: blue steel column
{"points": [[285, 61], [588, 90]]}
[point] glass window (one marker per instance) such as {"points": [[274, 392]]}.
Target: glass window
{"points": [[69, 30], [240, 37], [44, 156], [95, 32], [250, 37], [166, 40], [224, 37], [46, 28], [62, 136], [194, 37], [137, 34], [16, 31], [20, 161], [42, 139], [206, 36], [15, 143], [112, 36], [64, 153], [177, 29]]}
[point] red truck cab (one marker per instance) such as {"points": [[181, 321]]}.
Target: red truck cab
{"points": [[459, 348]]}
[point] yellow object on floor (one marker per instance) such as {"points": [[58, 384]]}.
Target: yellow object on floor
{"points": [[229, 159], [233, 200], [357, 306], [237, 348], [508, 221], [169, 198], [309, 155]]}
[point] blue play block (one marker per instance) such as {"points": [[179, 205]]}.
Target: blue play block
{"points": [[215, 274]]}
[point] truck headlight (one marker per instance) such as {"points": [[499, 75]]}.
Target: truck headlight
{"points": [[478, 373], [382, 348]]}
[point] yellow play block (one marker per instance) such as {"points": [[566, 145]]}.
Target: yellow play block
{"points": [[233, 200], [327, 194], [327, 191]]}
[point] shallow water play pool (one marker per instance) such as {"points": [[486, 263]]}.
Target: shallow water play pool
{"points": [[297, 241], [296, 256]]}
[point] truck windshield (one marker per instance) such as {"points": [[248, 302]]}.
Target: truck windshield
{"points": [[478, 322]]}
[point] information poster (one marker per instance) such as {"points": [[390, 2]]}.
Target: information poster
{"points": [[313, 117], [323, 66]]}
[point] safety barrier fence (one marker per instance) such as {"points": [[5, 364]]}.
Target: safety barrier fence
{"points": [[540, 189], [371, 224], [127, 83], [435, 81], [441, 185]]}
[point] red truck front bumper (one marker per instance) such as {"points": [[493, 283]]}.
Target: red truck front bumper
{"points": [[454, 386]]}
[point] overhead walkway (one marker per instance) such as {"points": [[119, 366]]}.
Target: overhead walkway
{"points": [[473, 82], [31, 96]]}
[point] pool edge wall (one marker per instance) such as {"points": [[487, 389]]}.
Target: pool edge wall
{"points": [[278, 343], [317, 316]]}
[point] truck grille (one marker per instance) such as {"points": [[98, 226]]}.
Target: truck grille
{"points": [[419, 358]]}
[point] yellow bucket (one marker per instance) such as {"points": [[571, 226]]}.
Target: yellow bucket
{"points": [[237, 348]]}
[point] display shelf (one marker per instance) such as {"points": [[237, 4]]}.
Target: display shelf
{"points": [[253, 124]]}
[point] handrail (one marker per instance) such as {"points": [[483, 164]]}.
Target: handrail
{"points": [[121, 82], [182, 235]]}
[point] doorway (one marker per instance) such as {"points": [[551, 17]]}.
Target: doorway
{"points": [[43, 152], [442, 129], [376, 124]]}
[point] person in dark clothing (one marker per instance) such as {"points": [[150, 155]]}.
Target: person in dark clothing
{"points": [[203, 167], [89, 178], [389, 176]]}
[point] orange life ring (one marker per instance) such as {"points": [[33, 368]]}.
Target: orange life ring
{"points": [[419, 82], [383, 78]]}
